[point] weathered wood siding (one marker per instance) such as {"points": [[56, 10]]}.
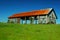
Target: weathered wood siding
{"points": [[52, 17]]}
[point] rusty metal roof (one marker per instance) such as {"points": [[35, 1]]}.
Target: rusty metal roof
{"points": [[32, 13]]}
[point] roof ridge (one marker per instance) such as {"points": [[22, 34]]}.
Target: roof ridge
{"points": [[36, 10], [50, 9]]}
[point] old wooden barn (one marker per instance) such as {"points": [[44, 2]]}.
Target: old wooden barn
{"points": [[43, 16]]}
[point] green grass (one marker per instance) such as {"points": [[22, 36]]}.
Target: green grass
{"points": [[29, 31]]}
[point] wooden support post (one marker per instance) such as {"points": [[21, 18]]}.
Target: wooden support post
{"points": [[11, 21], [31, 20], [15, 20], [22, 21], [35, 21], [18, 20], [38, 18], [47, 20], [25, 20]]}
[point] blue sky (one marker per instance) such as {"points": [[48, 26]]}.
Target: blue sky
{"points": [[9, 7]]}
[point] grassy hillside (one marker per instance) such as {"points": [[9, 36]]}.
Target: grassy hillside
{"points": [[29, 31]]}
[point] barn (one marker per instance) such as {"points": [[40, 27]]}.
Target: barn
{"points": [[42, 16]]}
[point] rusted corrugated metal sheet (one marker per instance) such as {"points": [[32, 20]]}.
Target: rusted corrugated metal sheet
{"points": [[32, 13]]}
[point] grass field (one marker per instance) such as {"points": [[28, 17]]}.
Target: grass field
{"points": [[29, 31]]}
